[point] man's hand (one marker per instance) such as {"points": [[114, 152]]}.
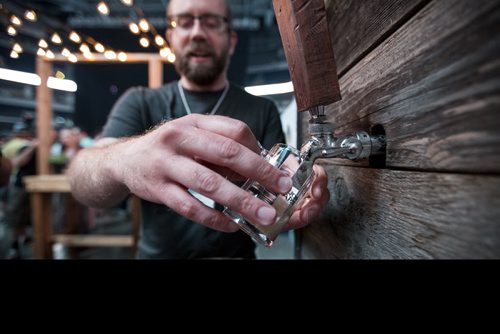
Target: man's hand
{"points": [[198, 152], [316, 199]]}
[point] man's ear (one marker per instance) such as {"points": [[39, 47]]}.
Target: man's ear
{"points": [[233, 41]]}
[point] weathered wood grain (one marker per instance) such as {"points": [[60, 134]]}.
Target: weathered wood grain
{"points": [[434, 86], [306, 41], [398, 214], [356, 27]]}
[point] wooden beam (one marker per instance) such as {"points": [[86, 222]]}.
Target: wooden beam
{"points": [[308, 49], [74, 240], [155, 73], [44, 116], [47, 183]]}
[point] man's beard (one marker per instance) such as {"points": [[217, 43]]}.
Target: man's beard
{"points": [[201, 74]]}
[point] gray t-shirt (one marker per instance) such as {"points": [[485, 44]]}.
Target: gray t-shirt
{"points": [[165, 234]]}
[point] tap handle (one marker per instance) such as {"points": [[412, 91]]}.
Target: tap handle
{"points": [[308, 49]]}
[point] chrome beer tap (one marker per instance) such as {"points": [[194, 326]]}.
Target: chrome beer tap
{"points": [[323, 144]]}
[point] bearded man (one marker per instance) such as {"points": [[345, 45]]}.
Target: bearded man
{"points": [[182, 169]]}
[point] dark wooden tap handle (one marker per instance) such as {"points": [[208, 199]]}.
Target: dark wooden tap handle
{"points": [[308, 48]]}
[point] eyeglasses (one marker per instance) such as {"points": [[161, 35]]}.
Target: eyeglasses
{"points": [[209, 22]]}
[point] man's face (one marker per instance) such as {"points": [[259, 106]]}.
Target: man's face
{"points": [[202, 53]]}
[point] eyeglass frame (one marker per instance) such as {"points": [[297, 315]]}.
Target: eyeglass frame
{"points": [[173, 18]]}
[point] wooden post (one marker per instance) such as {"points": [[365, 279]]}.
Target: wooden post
{"points": [[44, 116], [155, 71]]}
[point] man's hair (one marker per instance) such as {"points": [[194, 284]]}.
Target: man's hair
{"points": [[229, 13]]}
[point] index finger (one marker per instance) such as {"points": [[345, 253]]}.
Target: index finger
{"points": [[227, 127]]}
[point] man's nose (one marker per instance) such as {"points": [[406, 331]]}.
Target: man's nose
{"points": [[197, 30]]}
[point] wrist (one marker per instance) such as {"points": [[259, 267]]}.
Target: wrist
{"points": [[115, 164]]}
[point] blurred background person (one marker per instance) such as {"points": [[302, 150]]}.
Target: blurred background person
{"points": [[21, 150]]}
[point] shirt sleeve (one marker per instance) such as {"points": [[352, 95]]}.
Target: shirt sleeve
{"points": [[126, 117]]}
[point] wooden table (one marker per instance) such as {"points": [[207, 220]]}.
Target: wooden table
{"points": [[41, 188]]}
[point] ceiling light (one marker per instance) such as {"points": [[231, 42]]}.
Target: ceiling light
{"points": [[34, 79], [272, 89]]}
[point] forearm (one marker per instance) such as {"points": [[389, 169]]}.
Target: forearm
{"points": [[94, 175]]}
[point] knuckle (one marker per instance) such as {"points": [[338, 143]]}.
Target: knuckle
{"points": [[240, 129], [171, 132], [210, 221], [243, 203], [208, 182], [229, 149], [186, 209]]}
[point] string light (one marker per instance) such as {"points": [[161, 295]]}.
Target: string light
{"points": [[134, 28], [164, 52], [30, 15], [122, 56], [159, 40], [17, 48], [43, 44], [65, 52], [109, 54], [144, 41], [144, 25], [49, 54], [11, 31], [75, 37], [84, 48], [15, 20], [99, 47], [72, 58], [103, 8], [56, 39], [86, 42]]}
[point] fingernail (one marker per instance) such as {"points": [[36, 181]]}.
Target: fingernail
{"points": [[266, 215], [317, 191], [285, 184]]}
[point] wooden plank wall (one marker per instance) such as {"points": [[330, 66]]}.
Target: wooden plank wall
{"points": [[428, 72]]}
